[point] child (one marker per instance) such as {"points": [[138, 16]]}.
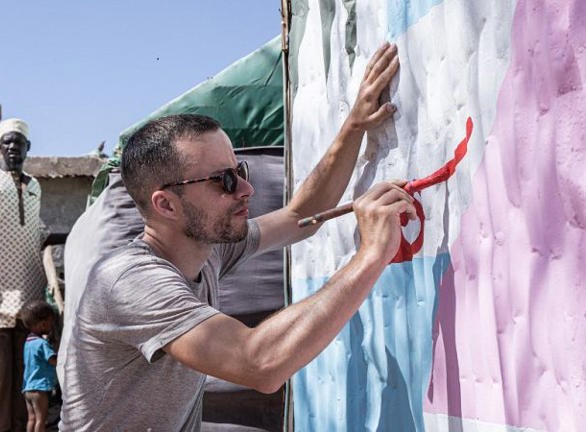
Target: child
{"points": [[39, 363]]}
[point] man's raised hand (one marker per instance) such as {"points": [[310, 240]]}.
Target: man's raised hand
{"points": [[367, 111]]}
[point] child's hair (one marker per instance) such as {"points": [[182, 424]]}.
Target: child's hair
{"points": [[35, 312]]}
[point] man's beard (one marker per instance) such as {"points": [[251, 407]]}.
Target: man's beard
{"points": [[12, 164], [222, 230]]}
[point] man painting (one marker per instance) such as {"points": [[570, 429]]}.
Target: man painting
{"points": [[147, 329]]}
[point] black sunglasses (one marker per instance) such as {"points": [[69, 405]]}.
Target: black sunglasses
{"points": [[228, 177]]}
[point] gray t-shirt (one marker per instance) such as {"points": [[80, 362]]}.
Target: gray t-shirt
{"points": [[116, 376]]}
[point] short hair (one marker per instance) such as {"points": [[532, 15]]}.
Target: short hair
{"points": [[150, 158], [35, 312]]}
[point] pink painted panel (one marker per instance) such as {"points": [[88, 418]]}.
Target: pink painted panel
{"points": [[510, 339]]}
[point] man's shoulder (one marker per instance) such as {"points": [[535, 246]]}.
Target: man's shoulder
{"points": [[29, 177], [6, 180], [129, 262], [113, 275], [122, 258], [33, 185]]}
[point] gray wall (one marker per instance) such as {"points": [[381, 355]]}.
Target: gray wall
{"points": [[63, 200]]}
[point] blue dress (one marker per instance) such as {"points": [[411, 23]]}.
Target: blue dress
{"points": [[39, 375]]}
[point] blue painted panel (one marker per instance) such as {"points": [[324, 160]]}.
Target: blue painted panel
{"points": [[374, 375], [404, 13]]}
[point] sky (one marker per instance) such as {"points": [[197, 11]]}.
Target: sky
{"points": [[80, 72]]}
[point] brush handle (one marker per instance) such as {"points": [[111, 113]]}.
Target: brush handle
{"points": [[325, 215], [339, 211]]}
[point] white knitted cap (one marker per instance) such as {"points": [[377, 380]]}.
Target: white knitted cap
{"points": [[13, 125]]}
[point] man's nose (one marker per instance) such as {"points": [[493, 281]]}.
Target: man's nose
{"points": [[244, 188]]}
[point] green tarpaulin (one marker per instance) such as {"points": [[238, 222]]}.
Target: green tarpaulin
{"points": [[246, 98]]}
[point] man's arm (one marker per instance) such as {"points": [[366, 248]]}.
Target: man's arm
{"points": [[264, 357], [326, 183]]}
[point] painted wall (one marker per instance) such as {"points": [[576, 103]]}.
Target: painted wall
{"points": [[485, 329]]}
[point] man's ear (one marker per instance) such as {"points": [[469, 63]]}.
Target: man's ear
{"points": [[28, 145], [165, 204]]}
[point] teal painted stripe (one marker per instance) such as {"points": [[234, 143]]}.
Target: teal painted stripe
{"points": [[374, 375], [404, 13], [350, 43], [299, 11], [327, 11]]}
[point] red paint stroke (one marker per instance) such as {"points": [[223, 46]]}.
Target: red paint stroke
{"points": [[408, 250]]}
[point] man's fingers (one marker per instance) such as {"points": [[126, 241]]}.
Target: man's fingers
{"points": [[383, 79], [377, 55], [400, 183], [382, 64], [403, 207], [391, 198], [369, 110], [383, 192], [393, 193], [375, 192], [385, 111]]}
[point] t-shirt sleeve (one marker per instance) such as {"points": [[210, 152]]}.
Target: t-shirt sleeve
{"points": [[47, 350], [152, 304]]}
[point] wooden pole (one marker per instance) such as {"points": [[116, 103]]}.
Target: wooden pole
{"points": [[52, 278], [288, 421]]}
